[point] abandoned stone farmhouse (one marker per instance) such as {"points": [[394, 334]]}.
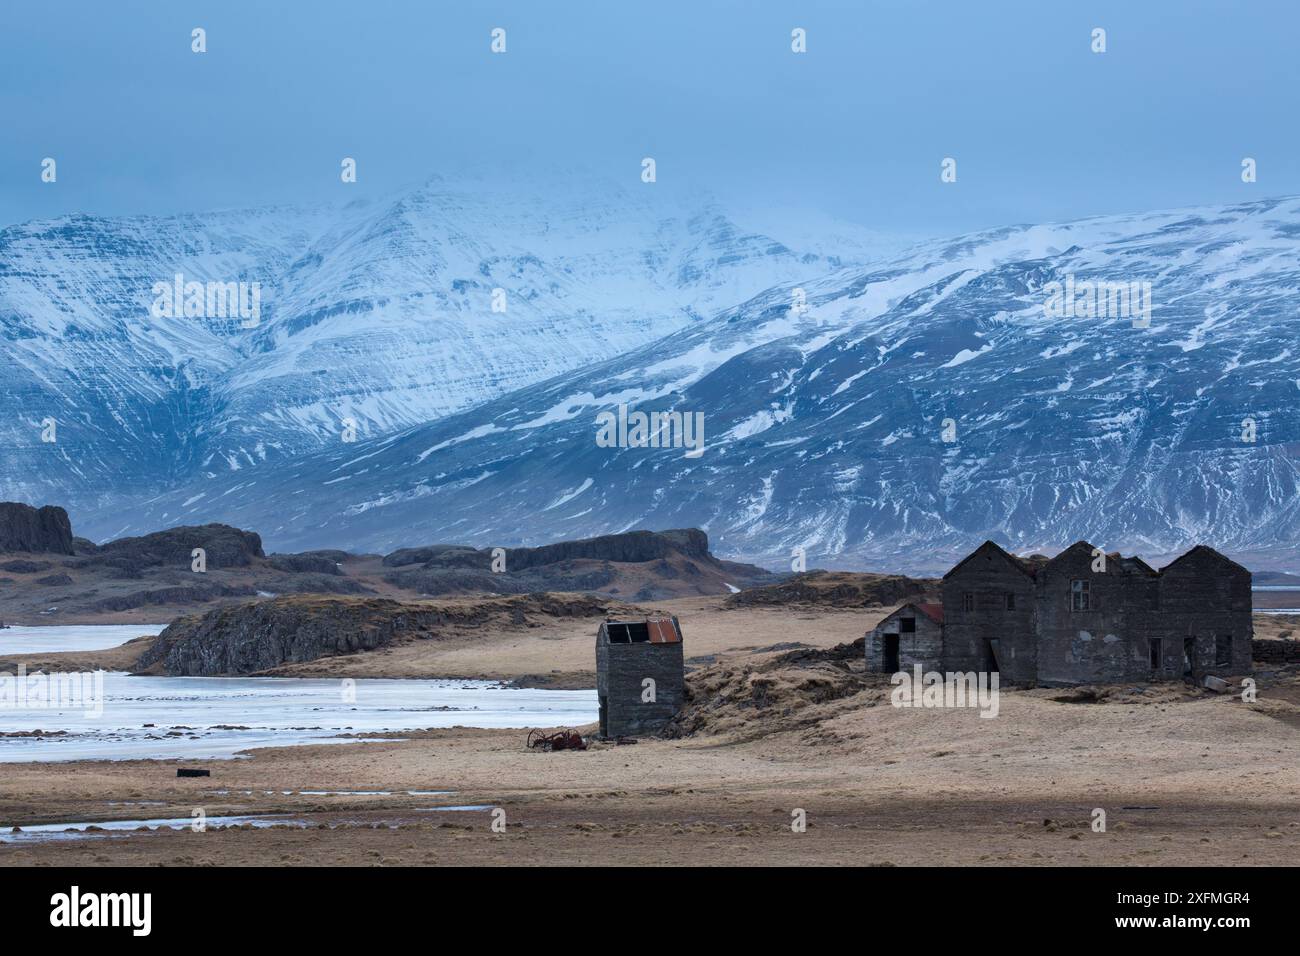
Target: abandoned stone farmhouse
{"points": [[1081, 617]]}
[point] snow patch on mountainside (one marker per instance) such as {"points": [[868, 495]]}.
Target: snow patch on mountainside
{"points": [[834, 422], [376, 317]]}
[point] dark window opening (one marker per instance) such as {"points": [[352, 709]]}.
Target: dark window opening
{"points": [[907, 625], [968, 601], [631, 633], [1080, 597], [1011, 601], [1157, 649], [1223, 649]]}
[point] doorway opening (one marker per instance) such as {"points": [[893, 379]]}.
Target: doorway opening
{"points": [[991, 657], [891, 654]]}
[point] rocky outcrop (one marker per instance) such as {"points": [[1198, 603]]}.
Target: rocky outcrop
{"points": [[652, 565], [435, 581], [631, 547], [254, 637], [179, 594], [156, 571], [20, 566], [316, 562], [839, 589], [39, 530], [441, 555], [225, 547]]}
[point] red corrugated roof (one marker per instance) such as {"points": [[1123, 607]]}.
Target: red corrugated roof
{"points": [[933, 611], [663, 630]]}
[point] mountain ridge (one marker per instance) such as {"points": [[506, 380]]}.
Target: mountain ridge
{"points": [[825, 427], [374, 316]]}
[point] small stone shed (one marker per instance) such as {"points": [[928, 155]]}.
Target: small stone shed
{"points": [[911, 635], [640, 675]]}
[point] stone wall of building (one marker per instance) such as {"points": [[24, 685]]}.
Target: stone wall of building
{"points": [[621, 670], [922, 645], [1107, 640], [1205, 607], [1189, 620], [976, 614]]}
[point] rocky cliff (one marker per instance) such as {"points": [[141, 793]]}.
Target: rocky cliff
{"points": [[42, 530], [154, 573]]}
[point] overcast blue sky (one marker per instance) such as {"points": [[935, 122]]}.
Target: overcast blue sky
{"points": [[1041, 127]]}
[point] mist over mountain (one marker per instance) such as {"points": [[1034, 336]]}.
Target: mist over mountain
{"points": [[917, 406]]}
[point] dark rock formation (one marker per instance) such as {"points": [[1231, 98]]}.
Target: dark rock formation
{"points": [[631, 547], [318, 562], [40, 530], [441, 555], [180, 594], [253, 637], [156, 570], [435, 581], [662, 562], [839, 589], [226, 547], [20, 566]]}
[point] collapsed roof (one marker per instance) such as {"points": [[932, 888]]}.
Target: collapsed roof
{"points": [[652, 630]]}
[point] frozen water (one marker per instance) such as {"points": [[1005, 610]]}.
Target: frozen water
{"points": [[203, 717], [21, 639]]}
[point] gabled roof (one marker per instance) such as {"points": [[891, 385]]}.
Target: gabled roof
{"points": [[1077, 546], [1136, 563], [933, 611], [1207, 551], [1129, 563], [1014, 561]]}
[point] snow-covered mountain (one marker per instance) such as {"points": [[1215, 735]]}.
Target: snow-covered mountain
{"points": [[916, 408], [377, 312]]}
